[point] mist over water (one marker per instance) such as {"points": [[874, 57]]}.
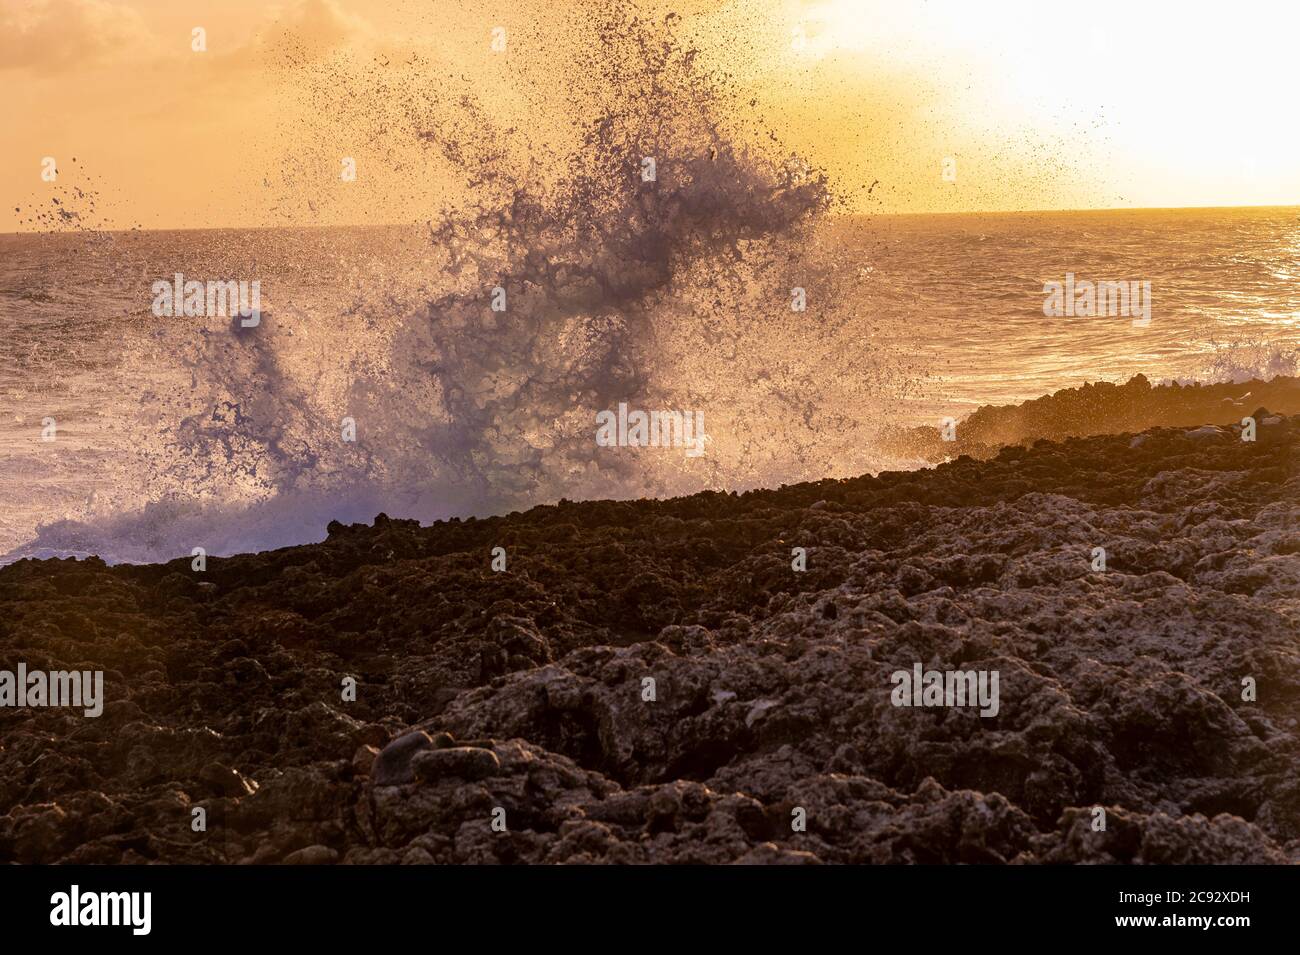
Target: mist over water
{"points": [[671, 293], [651, 261]]}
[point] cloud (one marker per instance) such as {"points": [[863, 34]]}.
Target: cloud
{"points": [[54, 36], [60, 36], [314, 27]]}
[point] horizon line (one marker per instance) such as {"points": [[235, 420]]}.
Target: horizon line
{"points": [[829, 215]]}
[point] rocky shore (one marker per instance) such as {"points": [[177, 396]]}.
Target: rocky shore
{"points": [[1097, 408], [655, 682]]}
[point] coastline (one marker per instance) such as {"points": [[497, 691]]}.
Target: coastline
{"points": [[523, 690]]}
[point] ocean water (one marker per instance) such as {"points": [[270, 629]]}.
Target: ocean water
{"points": [[178, 432], [458, 367]]}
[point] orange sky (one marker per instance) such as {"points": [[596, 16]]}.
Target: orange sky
{"points": [[1039, 104]]}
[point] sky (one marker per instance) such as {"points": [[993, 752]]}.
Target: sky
{"points": [[910, 105]]}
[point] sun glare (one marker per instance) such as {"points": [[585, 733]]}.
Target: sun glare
{"points": [[1190, 105]]}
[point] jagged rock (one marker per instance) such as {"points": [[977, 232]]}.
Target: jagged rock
{"points": [[224, 781], [364, 759], [661, 687], [465, 762]]}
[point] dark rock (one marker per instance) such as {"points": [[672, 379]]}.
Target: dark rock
{"points": [[312, 855], [363, 760], [392, 767], [530, 692], [466, 762], [224, 781]]}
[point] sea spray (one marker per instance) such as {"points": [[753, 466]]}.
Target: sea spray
{"points": [[554, 288]]}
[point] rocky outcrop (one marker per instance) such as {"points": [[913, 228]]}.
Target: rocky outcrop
{"points": [[653, 681], [1091, 409]]}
